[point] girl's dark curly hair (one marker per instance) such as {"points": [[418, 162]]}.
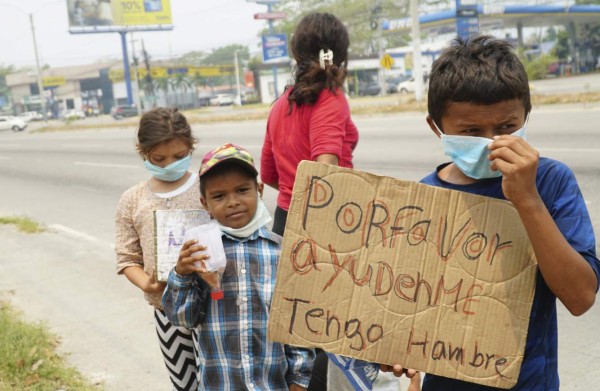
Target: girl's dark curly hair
{"points": [[161, 125], [316, 32]]}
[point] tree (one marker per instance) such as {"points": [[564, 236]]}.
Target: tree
{"points": [[561, 50], [163, 84], [224, 55], [5, 70], [193, 58], [180, 83], [361, 17]]}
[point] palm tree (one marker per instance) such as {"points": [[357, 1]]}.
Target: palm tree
{"points": [[197, 81], [180, 82], [163, 84]]}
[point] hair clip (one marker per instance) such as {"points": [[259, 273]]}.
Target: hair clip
{"points": [[325, 56]]}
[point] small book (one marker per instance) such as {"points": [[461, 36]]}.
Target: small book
{"points": [[170, 228]]}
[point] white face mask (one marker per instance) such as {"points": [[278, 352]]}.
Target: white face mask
{"points": [[261, 217], [172, 172], [470, 153]]}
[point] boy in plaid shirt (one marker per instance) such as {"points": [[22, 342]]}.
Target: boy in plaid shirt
{"points": [[231, 341]]}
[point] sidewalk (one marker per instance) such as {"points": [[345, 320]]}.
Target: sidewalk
{"points": [[107, 329]]}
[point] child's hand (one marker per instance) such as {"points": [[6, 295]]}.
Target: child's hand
{"points": [[188, 264], [399, 370], [518, 163]]}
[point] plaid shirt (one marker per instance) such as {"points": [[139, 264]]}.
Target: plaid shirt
{"points": [[233, 350]]}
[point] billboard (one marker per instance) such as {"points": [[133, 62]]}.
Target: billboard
{"points": [[165, 72], [274, 47], [87, 16]]}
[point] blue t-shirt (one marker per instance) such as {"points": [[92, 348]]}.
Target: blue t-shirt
{"points": [[560, 193]]}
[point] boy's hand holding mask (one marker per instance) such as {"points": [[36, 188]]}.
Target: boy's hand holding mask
{"points": [[518, 163]]}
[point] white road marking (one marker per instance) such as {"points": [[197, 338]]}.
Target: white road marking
{"points": [[74, 232], [78, 234], [106, 165]]}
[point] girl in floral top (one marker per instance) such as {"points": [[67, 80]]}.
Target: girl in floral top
{"points": [[165, 143]]}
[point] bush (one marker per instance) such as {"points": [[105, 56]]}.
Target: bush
{"points": [[537, 68]]}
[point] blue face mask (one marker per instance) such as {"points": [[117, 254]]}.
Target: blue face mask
{"points": [[470, 153], [172, 172]]}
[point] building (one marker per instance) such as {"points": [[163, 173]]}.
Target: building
{"points": [[82, 87]]}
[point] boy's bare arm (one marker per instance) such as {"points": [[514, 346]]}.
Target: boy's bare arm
{"points": [[565, 271]]}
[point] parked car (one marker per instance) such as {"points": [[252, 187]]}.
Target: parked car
{"points": [[91, 111], [392, 83], [72, 114], [122, 111], [410, 85], [222, 100], [371, 88], [14, 123], [31, 116]]}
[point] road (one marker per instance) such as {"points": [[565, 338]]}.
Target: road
{"points": [[71, 182]]}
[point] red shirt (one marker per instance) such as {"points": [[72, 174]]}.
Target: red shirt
{"points": [[307, 132]]}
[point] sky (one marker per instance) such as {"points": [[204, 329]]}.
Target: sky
{"points": [[198, 25]]}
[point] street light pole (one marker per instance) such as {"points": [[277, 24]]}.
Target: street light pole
{"points": [[276, 88], [237, 79], [136, 81], [416, 41], [39, 72]]}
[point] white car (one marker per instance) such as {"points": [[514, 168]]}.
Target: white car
{"points": [[222, 100], [73, 114], [14, 123], [410, 85], [31, 116]]}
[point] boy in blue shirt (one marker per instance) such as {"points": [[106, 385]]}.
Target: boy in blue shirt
{"points": [[231, 339], [478, 105]]}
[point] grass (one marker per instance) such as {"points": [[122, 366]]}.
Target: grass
{"points": [[28, 360], [23, 224], [392, 104]]}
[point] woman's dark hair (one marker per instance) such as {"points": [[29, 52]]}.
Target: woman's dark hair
{"points": [[162, 125], [316, 32], [482, 70]]}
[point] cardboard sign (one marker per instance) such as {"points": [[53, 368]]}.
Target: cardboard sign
{"points": [[393, 271], [170, 227]]}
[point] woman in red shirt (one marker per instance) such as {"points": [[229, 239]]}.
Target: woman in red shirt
{"points": [[311, 120]]}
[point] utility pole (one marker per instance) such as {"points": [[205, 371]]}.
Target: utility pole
{"points": [[39, 72], [136, 83], [416, 40], [377, 10], [127, 72], [149, 83], [237, 79], [270, 9]]}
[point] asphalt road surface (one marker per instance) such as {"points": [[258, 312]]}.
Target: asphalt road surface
{"points": [[71, 182]]}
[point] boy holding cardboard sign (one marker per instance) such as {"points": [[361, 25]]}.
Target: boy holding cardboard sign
{"points": [[478, 105], [232, 346]]}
